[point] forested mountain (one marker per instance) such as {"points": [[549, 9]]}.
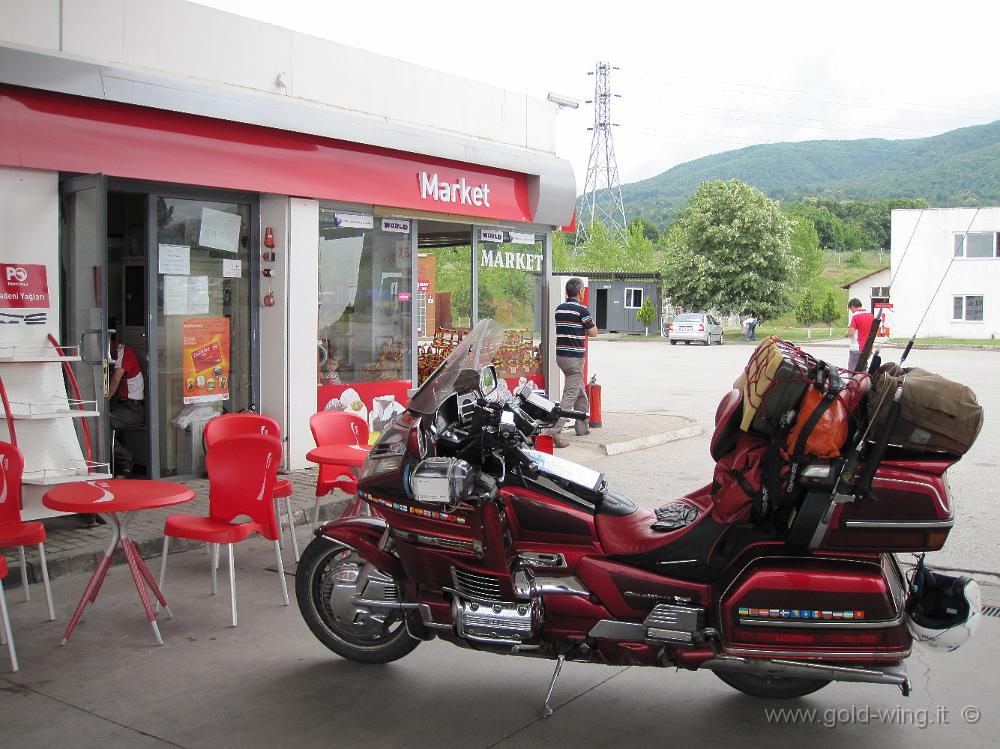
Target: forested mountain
{"points": [[960, 167]]}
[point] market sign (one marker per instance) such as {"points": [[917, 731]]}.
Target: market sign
{"points": [[514, 260], [23, 285], [460, 191]]}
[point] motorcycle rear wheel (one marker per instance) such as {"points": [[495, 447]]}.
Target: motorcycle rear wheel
{"points": [[322, 603], [771, 687]]}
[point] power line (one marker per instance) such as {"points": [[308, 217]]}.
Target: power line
{"points": [[924, 108]]}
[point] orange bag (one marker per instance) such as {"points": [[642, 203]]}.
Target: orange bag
{"points": [[829, 433]]}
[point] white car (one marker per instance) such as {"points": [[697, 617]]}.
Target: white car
{"points": [[695, 326]]}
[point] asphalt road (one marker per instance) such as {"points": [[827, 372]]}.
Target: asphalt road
{"points": [[653, 377]]}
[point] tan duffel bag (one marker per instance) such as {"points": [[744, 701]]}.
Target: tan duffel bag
{"points": [[936, 415]]}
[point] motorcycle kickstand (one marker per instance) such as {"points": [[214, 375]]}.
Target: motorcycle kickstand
{"points": [[546, 708]]}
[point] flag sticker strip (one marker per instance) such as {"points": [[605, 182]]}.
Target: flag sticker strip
{"points": [[447, 517], [801, 614]]}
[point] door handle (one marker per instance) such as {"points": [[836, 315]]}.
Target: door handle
{"points": [[102, 343]]}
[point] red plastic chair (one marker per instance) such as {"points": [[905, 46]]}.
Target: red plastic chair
{"points": [[6, 635], [231, 425], [14, 531], [241, 476], [336, 428]]}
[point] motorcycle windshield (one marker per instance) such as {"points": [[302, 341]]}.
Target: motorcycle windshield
{"points": [[475, 351]]}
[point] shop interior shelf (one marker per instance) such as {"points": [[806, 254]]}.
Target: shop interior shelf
{"points": [[51, 476], [10, 352], [56, 408]]}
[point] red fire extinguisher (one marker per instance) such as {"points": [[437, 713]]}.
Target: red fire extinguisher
{"points": [[594, 395]]}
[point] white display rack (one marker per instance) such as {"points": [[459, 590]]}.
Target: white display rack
{"points": [[86, 471], [16, 352], [56, 408]]}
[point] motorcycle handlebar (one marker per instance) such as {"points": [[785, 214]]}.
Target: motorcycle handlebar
{"points": [[578, 415]]}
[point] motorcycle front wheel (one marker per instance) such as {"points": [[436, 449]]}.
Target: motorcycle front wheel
{"points": [[771, 687], [325, 583]]}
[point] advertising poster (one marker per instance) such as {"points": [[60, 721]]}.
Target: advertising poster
{"points": [[23, 285], [205, 361]]}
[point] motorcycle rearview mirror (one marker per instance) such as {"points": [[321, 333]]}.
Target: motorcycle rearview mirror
{"points": [[488, 380]]}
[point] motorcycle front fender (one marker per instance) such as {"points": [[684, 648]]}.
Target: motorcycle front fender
{"points": [[363, 534]]}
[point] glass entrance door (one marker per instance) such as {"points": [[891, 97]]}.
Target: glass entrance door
{"points": [[84, 252], [205, 319]]}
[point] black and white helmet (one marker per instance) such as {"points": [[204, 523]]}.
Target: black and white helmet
{"points": [[942, 612]]}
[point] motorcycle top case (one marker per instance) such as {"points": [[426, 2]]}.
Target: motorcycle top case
{"points": [[835, 609], [936, 414], [773, 382], [913, 512]]}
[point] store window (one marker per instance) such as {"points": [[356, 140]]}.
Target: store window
{"points": [[510, 272], [633, 298], [364, 340], [977, 245], [967, 308]]}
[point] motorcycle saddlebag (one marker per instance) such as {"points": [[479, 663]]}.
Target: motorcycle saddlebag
{"points": [[936, 414], [738, 479], [816, 608]]}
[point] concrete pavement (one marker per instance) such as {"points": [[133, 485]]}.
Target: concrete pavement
{"points": [[270, 683]]}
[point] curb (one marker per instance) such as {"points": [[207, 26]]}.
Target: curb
{"points": [[652, 440]]}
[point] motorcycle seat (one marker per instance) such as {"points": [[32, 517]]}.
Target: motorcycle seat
{"points": [[637, 532]]}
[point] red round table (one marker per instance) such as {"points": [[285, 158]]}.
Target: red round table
{"points": [[117, 501], [352, 456]]}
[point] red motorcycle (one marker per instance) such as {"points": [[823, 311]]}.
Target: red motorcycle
{"points": [[478, 539]]}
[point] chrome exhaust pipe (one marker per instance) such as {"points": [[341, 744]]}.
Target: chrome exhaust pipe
{"points": [[895, 676]]}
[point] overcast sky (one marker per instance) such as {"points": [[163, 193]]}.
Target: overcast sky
{"points": [[697, 78]]}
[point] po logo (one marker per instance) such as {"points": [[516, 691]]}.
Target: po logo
{"points": [[17, 274]]}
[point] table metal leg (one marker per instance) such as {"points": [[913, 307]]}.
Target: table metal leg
{"points": [[140, 583], [148, 575], [94, 584]]}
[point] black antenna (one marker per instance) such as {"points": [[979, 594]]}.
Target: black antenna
{"points": [[913, 338]]}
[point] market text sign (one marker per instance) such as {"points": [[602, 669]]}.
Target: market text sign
{"points": [[23, 286], [516, 260], [459, 191]]}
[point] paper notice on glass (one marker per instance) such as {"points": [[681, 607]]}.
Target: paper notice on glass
{"points": [[175, 295], [175, 259], [219, 230], [197, 296], [232, 268]]}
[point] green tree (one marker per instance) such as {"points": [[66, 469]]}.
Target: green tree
{"points": [[649, 231], [855, 260], [806, 312], [730, 252], [646, 314], [804, 244], [830, 311]]}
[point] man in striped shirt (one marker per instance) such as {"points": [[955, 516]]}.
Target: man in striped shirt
{"points": [[573, 325]]}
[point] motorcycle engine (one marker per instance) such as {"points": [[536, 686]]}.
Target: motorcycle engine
{"points": [[497, 622], [481, 617]]}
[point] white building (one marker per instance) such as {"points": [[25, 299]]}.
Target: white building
{"points": [[960, 246], [248, 203]]}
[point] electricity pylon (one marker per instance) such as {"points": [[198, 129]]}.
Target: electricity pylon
{"points": [[602, 192]]}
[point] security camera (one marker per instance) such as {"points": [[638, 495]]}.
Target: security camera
{"points": [[563, 101]]}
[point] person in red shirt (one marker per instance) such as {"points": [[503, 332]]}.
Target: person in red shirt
{"points": [[127, 405], [857, 330]]}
